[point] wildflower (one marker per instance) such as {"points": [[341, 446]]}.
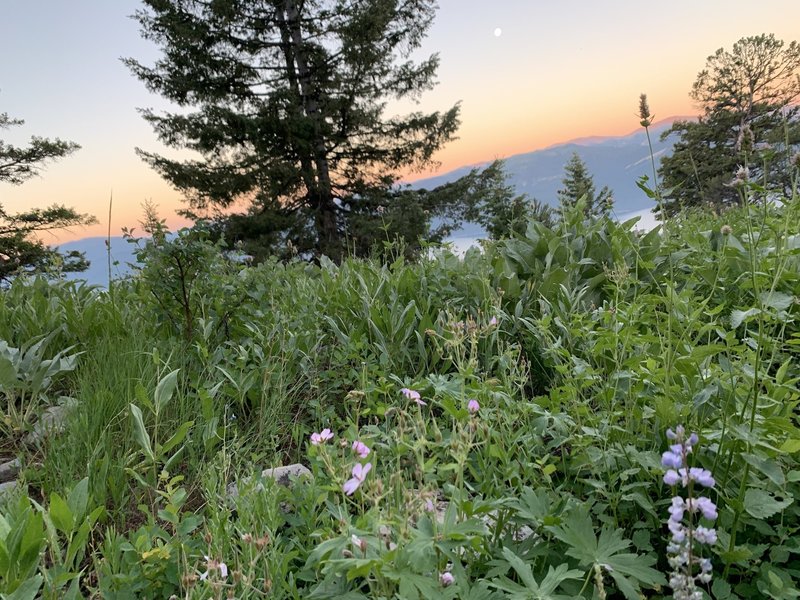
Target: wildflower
{"points": [[446, 578], [413, 395], [644, 111], [726, 230], [321, 437], [361, 449], [359, 474], [213, 564], [685, 536], [493, 322], [473, 407], [359, 543], [742, 176]]}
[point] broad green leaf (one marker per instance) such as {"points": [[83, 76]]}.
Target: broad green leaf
{"points": [[768, 467], [63, 518], [776, 300], [79, 499], [762, 505], [165, 389], [739, 316], [790, 446], [140, 433], [177, 437], [28, 590]]}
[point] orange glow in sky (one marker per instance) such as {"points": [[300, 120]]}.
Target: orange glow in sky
{"points": [[528, 75]]}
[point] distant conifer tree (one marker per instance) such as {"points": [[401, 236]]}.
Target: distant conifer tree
{"points": [[579, 186], [20, 250]]}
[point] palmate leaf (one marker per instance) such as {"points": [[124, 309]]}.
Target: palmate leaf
{"points": [[606, 552], [530, 588]]}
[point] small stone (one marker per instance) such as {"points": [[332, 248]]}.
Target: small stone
{"points": [[8, 489], [284, 475], [9, 470], [53, 420]]}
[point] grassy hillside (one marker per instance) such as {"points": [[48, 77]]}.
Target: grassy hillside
{"points": [[482, 427]]}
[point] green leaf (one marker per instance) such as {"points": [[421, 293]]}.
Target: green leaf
{"points": [[140, 433], [790, 446], [79, 499], [165, 389], [776, 300], [63, 518], [762, 505], [721, 589], [739, 316], [177, 437], [768, 467], [27, 591]]}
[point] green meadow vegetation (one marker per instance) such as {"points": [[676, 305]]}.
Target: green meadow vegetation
{"points": [[512, 405]]}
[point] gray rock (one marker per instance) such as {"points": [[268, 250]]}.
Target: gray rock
{"points": [[9, 470], [52, 420], [8, 489], [284, 475]]}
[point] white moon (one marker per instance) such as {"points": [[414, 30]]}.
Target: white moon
{"points": [[498, 32]]}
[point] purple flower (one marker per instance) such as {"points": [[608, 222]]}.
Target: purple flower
{"points": [[359, 543], [446, 578], [672, 459], [704, 535], [473, 407], [671, 477], [676, 509], [493, 321], [213, 564], [413, 395], [359, 474], [701, 476], [705, 506], [361, 449], [321, 437]]}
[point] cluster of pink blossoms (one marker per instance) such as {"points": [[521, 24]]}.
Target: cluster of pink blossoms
{"points": [[359, 471]]}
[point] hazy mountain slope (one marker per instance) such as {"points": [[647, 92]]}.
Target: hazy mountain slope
{"points": [[617, 162]]}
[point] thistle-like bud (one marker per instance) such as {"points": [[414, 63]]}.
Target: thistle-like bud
{"points": [[644, 112]]}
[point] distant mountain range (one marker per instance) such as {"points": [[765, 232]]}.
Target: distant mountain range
{"points": [[617, 162], [613, 161]]}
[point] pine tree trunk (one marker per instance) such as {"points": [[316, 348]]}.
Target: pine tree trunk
{"points": [[316, 168]]}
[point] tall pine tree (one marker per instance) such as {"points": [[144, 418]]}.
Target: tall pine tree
{"points": [[748, 98], [286, 102]]}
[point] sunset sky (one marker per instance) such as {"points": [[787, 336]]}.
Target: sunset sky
{"points": [[529, 74]]}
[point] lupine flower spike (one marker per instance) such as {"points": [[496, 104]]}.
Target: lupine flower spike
{"points": [[685, 535]]}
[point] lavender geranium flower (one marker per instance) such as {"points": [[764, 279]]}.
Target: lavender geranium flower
{"points": [[321, 437], [473, 407], [361, 449], [359, 473], [213, 564], [446, 578], [413, 395]]}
